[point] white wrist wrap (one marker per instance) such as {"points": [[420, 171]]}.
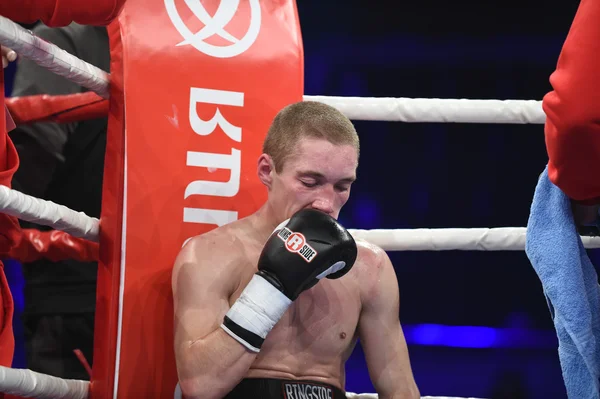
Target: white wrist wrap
{"points": [[257, 310]]}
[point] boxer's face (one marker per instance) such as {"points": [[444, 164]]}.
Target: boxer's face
{"points": [[317, 175]]}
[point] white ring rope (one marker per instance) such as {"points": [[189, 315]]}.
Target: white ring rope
{"points": [[47, 213], [473, 239], [356, 108], [427, 110], [350, 395], [30, 384], [79, 224], [53, 58]]}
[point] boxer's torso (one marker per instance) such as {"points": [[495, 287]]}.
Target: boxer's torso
{"points": [[318, 332]]}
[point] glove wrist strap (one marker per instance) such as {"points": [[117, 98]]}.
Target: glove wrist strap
{"points": [[255, 313]]}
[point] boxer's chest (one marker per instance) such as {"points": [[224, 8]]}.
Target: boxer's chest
{"points": [[322, 319], [327, 312]]}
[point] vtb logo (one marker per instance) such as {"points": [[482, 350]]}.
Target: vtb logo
{"points": [[216, 25]]}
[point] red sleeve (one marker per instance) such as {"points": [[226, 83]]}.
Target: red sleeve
{"points": [[9, 236], [57, 13], [10, 231], [7, 339], [573, 109]]}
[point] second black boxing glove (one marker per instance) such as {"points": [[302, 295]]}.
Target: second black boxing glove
{"points": [[311, 246]]}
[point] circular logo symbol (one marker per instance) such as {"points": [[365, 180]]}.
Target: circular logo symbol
{"points": [[216, 25], [295, 242]]}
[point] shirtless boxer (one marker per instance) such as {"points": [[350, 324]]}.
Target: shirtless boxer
{"points": [[238, 286]]}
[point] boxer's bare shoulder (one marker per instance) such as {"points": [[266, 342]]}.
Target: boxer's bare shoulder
{"points": [[223, 256], [371, 264], [228, 244]]}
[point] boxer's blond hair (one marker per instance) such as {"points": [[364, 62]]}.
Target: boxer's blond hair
{"points": [[307, 119]]}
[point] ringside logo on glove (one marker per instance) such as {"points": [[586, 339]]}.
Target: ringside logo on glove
{"points": [[296, 243]]}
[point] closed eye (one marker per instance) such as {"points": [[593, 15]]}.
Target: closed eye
{"points": [[308, 184], [342, 189]]}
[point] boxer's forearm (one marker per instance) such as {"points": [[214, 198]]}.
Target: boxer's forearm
{"points": [[213, 366]]}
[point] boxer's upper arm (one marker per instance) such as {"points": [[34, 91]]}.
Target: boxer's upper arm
{"points": [[201, 288], [380, 332]]}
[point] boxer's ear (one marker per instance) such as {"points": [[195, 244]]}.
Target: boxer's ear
{"points": [[266, 169]]}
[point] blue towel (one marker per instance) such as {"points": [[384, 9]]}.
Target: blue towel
{"points": [[570, 285]]}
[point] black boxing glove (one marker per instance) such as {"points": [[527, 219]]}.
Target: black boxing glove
{"points": [[311, 246]]}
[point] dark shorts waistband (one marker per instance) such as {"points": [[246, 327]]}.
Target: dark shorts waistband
{"points": [[273, 388]]}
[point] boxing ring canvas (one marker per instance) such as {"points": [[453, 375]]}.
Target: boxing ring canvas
{"points": [[190, 104]]}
